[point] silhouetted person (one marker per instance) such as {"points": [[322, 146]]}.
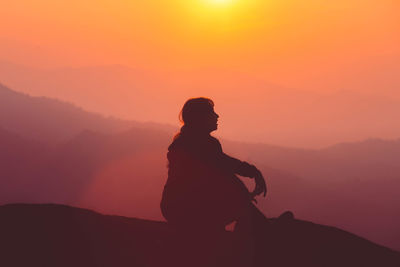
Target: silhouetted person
{"points": [[202, 192]]}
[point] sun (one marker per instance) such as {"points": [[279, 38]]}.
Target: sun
{"points": [[220, 2], [216, 13]]}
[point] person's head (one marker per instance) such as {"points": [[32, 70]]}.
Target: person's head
{"points": [[198, 113]]}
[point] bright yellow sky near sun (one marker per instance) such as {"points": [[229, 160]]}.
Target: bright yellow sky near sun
{"points": [[220, 2]]}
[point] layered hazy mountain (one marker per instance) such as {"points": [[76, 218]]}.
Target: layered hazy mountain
{"points": [[251, 108], [53, 121], [52, 151]]}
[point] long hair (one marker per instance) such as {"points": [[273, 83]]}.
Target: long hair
{"points": [[193, 111]]}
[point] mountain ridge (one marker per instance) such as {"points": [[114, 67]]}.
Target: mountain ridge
{"points": [[285, 116], [52, 120]]}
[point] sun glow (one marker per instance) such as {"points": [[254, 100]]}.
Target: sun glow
{"points": [[224, 21], [220, 2]]}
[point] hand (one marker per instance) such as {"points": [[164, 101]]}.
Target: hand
{"points": [[261, 187]]}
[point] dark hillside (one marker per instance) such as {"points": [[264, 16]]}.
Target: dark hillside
{"points": [[55, 235]]}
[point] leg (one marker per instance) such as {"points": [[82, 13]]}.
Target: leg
{"points": [[252, 220], [252, 231]]}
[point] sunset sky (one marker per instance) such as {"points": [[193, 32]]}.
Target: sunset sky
{"points": [[306, 90], [219, 48]]}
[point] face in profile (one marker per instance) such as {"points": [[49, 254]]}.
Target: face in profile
{"points": [[212, 120], [199, 114]]}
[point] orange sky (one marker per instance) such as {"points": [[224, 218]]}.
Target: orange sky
{"points": [[265, 37], [316, 45]]}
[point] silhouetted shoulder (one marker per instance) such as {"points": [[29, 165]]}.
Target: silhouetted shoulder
{"points": [[181, 143], [216, 143], [194, 143], [175, 144]]}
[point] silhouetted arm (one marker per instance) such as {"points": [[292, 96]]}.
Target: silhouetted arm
{"points": [[244, 169], [240, 167], [236, 166]]}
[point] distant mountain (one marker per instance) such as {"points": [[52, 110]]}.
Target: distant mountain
{"points": [[54, 121], [21, 160], [353, 186], [54, 235], [75, 172], [275, 114], [122, 173]]}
